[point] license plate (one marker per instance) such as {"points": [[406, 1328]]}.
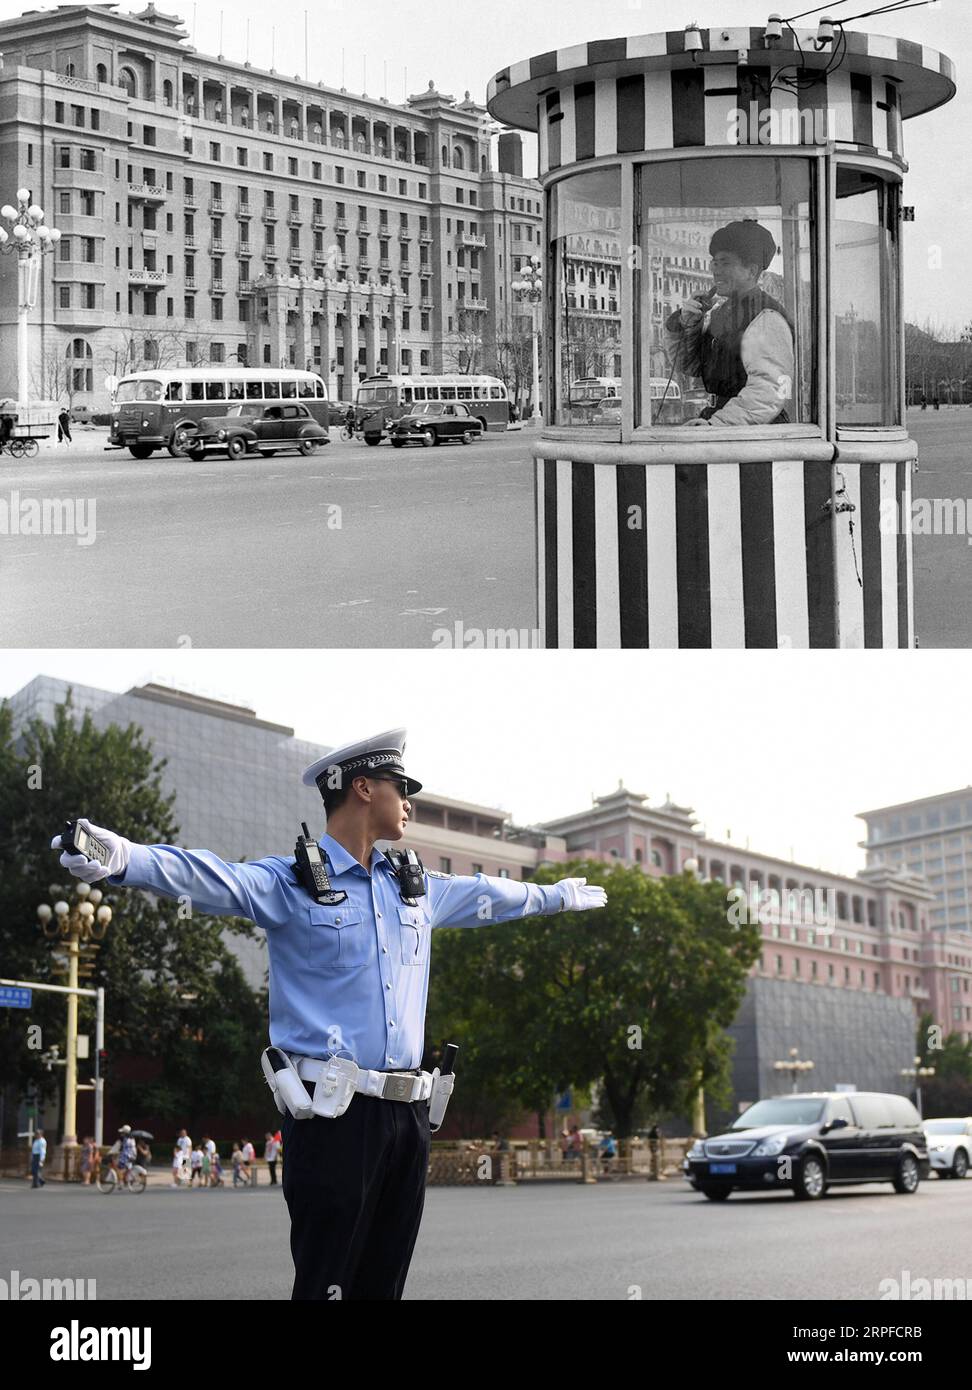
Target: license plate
{"points": [[715, 1168]]}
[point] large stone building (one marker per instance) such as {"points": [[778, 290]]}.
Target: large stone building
{"points": [[931, 836], [214, 211]]}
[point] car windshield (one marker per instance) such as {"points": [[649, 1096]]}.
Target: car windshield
{"points": [[430, 408], [786, 1110], [237, 410], [944, 1126]]}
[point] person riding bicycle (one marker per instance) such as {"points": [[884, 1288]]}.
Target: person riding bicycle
{"points": [[349, 419], [121, 1155]]}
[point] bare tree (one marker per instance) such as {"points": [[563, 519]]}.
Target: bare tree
{"points": [[512, 357], [463, 349], [52, 377]]}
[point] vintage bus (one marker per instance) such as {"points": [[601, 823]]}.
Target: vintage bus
{"points": [[150, 408], [587, 392], [381, 399]]}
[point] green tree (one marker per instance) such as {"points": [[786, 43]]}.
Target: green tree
{"points": [[635, 996], [167, 974]]}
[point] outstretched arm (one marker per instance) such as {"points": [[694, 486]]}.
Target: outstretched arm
{"points": [[256, 890], [480, 899]]}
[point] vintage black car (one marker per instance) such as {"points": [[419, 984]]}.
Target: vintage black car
{"points": [[254, 429], [434, 421], [806, 1142]]}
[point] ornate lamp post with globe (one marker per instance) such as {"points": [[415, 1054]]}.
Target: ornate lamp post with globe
{"points": [[529, 290], [26, 236], [80, 927]]}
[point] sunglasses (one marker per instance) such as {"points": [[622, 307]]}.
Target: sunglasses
{"points": [[399, 782]]}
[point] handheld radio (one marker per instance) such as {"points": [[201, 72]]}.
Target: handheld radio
{"points": [[77, 839], [311, 870]]}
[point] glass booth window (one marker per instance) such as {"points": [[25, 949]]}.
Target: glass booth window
{"points": [[585, 233], [865, 283], [726, 283]]}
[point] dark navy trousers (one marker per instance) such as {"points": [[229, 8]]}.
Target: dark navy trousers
{"points": [[355, 1189]]}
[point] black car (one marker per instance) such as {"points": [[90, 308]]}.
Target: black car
{"points": [[254, 429], [434, 421], [807, 1142]]}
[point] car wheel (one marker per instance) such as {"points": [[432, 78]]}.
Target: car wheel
{"points": [[178, 440], [372, 439], [397, 443], [140, 451], [236, 447], [308, 446], [960, 1164], [428, 438], [196, 452], [470, 436], [908, 1176], [810, 1183], [714, 1194]]}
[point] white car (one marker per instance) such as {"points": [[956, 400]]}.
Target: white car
{"points": [[949, 1146]]}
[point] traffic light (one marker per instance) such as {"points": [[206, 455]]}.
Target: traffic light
{"points": [[102, 1072]]}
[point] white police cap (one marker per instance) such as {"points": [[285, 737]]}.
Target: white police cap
{"points": [[379, 755]]}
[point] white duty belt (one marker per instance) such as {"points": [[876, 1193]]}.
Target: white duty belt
{"points": [[383, 1085]]}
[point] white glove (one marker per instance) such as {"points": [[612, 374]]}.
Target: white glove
{"points": [[578, 897], [691, 310], [90, 870]]}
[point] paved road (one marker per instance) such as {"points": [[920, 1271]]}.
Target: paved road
{"points": [[241, 554], [612, 1241], [226, 554], [943, 564]]}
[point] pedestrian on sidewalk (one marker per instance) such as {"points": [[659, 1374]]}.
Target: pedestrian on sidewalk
{"points": [[63, 425], [270, 1150], [87, 1160], [38, 1154], [196, 1160]]}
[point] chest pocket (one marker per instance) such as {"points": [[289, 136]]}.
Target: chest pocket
{"points": [[338, 938], [415, 927]]}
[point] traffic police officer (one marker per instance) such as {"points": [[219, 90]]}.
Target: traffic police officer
{"points": [[349, 973], [744, 353]]}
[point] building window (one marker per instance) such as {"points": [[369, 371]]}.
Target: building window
{"points": [[216, 352], [268, 161], [64, 293], [292, 167]]}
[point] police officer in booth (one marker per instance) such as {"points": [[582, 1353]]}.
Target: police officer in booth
{"points": [[743, 348], [348, 933]]}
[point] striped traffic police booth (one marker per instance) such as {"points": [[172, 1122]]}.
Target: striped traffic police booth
{"points": [[725, 460]]}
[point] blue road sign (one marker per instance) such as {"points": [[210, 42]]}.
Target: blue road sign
{"points": [[563, 1101], [13, 998]]}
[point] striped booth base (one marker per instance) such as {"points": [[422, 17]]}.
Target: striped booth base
{"points": [[798, 543]]}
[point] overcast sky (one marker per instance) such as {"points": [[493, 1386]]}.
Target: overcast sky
{"points": [[460, 44], [782, 748]]}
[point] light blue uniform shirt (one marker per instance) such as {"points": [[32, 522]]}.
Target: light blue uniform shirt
{"points": [[39, 1148], [354, 976]]}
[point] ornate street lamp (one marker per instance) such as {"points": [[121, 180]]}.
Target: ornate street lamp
{"points": [[794, 1067], [529, 290], [81, 925], [26, 236], [915, 1074]]}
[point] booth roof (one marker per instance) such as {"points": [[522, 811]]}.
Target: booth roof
{"points": [[926, 77]]}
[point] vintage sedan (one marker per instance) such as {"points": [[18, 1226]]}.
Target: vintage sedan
{"points": [[433, 421], [254, 429]]}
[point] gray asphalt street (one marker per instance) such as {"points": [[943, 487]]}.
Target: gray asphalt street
{"points": [[609, 1242], [356, 547], [246, 553]]}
